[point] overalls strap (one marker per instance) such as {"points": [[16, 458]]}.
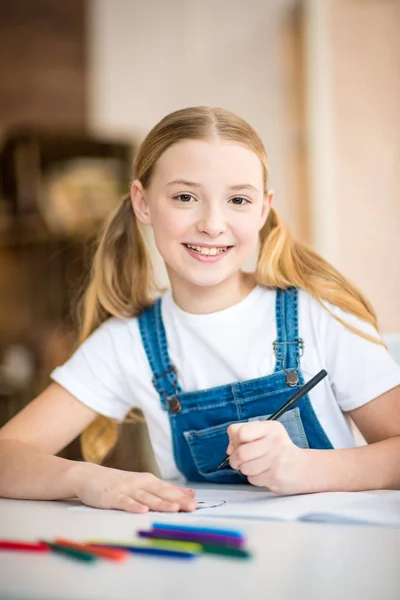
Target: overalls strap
{"points": [[155, 344], [288, 347]]}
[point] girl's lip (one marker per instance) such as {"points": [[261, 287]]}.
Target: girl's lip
{"points": [[208, 258], [208, 245]]}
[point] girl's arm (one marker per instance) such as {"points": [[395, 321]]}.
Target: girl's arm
{"points": [[376, 465], [29, 470], [264, 453]]}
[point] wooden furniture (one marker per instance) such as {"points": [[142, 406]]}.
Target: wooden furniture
{"points": [[52, 186]]}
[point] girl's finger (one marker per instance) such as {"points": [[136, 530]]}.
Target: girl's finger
{"points": [[232, 432], [188, 492], [250, 451], [188, 506], [124, 502], [255, 467], [154, 502], [172, 493], [255, 430]]}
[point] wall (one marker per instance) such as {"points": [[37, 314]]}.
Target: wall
{"points": [[366, 97], [42, 63], [42, 74], [352, 98]]}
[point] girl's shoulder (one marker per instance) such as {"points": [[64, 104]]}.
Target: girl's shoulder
{"points": [[117, 338], [328, 318]]}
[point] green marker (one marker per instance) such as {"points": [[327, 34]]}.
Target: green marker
{"points": [[226, 551], [70, 552], [205, 548]]}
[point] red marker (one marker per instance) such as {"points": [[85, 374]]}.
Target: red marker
{"points": [[17, 546]]}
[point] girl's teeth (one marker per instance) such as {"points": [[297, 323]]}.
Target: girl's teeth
{"points": [[207, 251]]}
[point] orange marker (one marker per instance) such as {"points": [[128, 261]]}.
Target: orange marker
{"points": [[110, 553]]}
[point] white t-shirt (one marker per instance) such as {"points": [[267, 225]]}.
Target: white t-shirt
{"points": [[110, 372]]}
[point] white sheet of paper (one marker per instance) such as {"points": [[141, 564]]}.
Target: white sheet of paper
{"points": [[374, 507], [380, 508]]}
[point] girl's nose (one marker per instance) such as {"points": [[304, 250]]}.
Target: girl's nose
{"points": [[211, 222]]}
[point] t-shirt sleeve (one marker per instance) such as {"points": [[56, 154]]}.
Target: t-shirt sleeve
{"points": [[94, 376], [359, 370]]}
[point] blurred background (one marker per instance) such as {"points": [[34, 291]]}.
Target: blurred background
{"points": [[82, 82]]}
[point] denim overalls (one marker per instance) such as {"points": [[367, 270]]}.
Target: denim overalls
{"points": [[199, 420]]}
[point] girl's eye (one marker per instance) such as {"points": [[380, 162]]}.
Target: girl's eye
{"points": [[239, 201], [185, 198]]}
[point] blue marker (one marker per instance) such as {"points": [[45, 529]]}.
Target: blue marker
{"points": [[155, 551], [235, 533]]}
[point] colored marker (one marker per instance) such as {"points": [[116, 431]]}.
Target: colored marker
{"points": [[193, 529], [108, 553], [23, 546], [205, 548], [175, 545], [226, 551], [111, 553], [70, 552], [136, 549], [201, 538]]}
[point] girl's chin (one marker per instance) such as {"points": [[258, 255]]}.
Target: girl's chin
{"points": [[202, 281]]}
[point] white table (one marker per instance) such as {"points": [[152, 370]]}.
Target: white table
{"points": [[292, 560]]}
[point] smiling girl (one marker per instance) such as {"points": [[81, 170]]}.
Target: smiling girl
{"points": [[208, 361]]}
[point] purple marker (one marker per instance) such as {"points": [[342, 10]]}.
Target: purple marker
{"points": [[191, 536], [196, 529]]}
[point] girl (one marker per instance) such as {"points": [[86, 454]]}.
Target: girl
{"points": [[215, 355]]}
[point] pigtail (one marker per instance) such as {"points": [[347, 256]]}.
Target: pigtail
{"points": [[121, 282], [121, 285], [284, 262]]}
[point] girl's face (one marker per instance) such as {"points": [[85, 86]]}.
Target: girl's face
{"points": [[206, 204]]}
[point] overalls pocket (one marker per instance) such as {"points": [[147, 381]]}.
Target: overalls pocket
{"points": [[208, 446], [293, 424]]}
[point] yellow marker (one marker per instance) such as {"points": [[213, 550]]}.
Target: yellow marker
{"points": [[176, 545]]}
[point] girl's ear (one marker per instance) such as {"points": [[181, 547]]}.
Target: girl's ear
{"points": [[139, 203], [267, 203]]}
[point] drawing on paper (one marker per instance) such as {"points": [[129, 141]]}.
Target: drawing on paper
{"points": [[201, 504]]}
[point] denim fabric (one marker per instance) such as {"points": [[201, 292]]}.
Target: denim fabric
{"points": [[199, 420]]}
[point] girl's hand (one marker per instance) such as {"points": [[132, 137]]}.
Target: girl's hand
{"points": [[264, 452], [103, 487]]}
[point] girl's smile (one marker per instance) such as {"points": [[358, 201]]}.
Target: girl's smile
{"points": [[207, 254]]}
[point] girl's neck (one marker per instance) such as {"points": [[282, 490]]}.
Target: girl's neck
{"points": [[207, 300]]}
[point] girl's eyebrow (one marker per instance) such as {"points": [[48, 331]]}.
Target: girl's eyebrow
{"points": [[184, 182], [240, 186], [244, 186]]}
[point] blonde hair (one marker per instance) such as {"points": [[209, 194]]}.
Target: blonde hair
{"points": [[122, 283]]}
